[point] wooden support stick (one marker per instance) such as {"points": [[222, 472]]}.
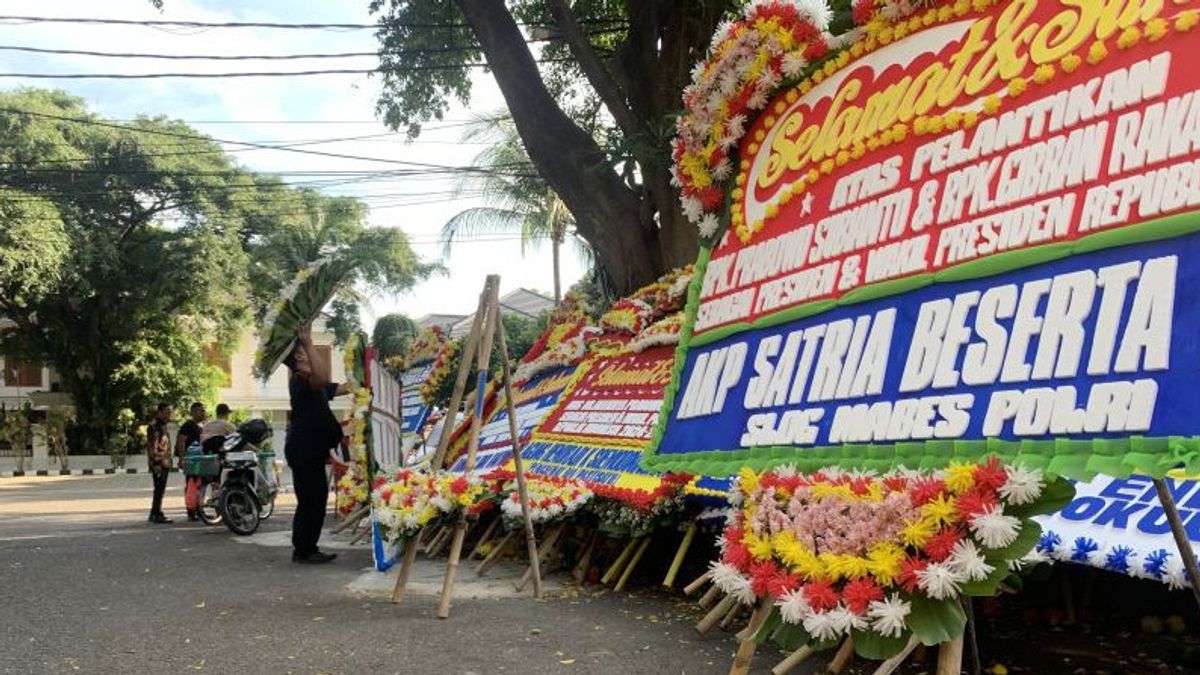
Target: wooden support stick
{"points": [[714, 615], [410, 555], [619, 563], [794, 659], [518, 462], [710, 596], [541, 554], [436, 544], [731, 615], [971, 642], [697, 584], [487, 536], [460, 385], [745, 652], [688, 534], [366, 533], [889, 666], [352, 519], [841, 658], [633, 563], [950, 657], [460, 533], [579, 574], [493, 557], [446, 541], [1181, 538]]}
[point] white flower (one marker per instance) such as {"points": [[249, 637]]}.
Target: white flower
{"points": [[724, 29], [697, 73], [758, 101], [821, 625], [731, 581], [939, 581], [844, 620], [994, 529], [709, 225], [729, 82], [1174, 575], [889, 615], [736, 125], [1035, 557], [793, 607], [968, 562], [1023, 485], [816, 10], [794, 64], [692, 209], [722, 170]]}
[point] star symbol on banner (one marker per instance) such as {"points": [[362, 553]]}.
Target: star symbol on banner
{"points": [[807, 204]]}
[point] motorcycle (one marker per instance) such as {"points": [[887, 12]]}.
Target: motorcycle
{"points": [[243, 494]]}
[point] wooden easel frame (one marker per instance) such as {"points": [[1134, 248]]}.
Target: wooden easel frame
{"points": [[486, 327]]}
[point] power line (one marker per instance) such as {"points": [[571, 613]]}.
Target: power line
{"points": [[264, 24], [267, 73]]}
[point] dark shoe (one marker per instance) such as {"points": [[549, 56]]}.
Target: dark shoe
{"points": [[193, 516], [160, 519], [314, 558]]}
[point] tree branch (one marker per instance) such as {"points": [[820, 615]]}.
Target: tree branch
{"points": [[600, 78]]}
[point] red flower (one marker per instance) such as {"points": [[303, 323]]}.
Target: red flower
{"points": [[940, 545], [974, 502], [864, 11], [860, 593], [379, 482], [459, 485], [761, 575], [925, 490], [860, 486], [908, 573], [896, 483], [990, 475], [783, 582], [820, 596], [386, 494]]}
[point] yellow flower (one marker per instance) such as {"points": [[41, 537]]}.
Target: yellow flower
{"points": [[991, 104], [813, 176], [918, 532], [883, 562], [1156, 29], [970, 119], [940, 511], [981, 5], [1043, 74], [1129, 37], [747, 481], [960, 477], [953, 120], [1017, 86], [1187, 20], [1097, 53], [760, 547], [1070, 63], [844, 566]]}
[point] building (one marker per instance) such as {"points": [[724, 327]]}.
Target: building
{"points": [[521, 302], [445, 321]]}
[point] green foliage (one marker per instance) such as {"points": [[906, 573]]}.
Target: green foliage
{"points": [[16, 429], [33, 247], [393, 335], [935, 621]]}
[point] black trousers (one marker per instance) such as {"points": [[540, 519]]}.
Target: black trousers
{"points": [[312, 498], [160, 486]]}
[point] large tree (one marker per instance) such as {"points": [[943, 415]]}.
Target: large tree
{"points": [[125, 252], [596, 114]]}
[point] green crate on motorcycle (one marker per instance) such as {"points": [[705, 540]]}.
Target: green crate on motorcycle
{"points": [[202, 465]]}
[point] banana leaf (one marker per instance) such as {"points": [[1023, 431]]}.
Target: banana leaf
{"points": [[301, 303]]}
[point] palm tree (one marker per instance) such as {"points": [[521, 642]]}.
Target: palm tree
{"points": [[517, 199]]}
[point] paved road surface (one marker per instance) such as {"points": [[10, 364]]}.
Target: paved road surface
{"points": [[90, 587]]}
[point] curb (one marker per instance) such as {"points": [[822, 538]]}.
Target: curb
{"points": [[75, 472]]}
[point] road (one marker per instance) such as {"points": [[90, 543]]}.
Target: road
{"points": [[91, 587]]}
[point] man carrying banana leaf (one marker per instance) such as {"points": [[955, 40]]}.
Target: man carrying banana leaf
{"points": [[313, 430]]}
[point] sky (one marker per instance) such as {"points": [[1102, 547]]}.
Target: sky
{"points": [[283, 109]]}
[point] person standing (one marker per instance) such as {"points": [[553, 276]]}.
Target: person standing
{"points": [[312, 432], [219, 427], [158, 453], [189, 433]]}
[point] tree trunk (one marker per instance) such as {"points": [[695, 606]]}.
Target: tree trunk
{"points": [[607, 212], [557, 245]]}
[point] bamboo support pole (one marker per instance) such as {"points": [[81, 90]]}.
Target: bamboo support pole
{"points": [[460, 385], [710, 596], [841, 658], [352, 519], [490, 300], [794, 659], [366, 533], [710, 620], [637, 557], [410, 555], [731, 616], [494, 557], [697, 584], [745, 652], [435, 544], [579, 574], [1181, 537], [950, 656], [437, 550], [889, 666], [485, 538], [540, 556], [688, 534], [619, 563], [518, 462]]}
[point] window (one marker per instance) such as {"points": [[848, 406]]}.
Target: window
{"points": [[17, 374], [213, 357]]}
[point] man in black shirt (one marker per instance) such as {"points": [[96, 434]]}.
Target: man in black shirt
{"points": [[158, 454], [190, 433], [313, 430]]}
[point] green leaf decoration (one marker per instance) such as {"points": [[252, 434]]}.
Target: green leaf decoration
{"points": [[986, 587], [278, 334], [935, 621], [871, 645], [791, 636], [774, 619]]}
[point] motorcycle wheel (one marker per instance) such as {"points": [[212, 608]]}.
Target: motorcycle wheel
{"points": [[210, 511], [267, 509], [239, 506]]}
